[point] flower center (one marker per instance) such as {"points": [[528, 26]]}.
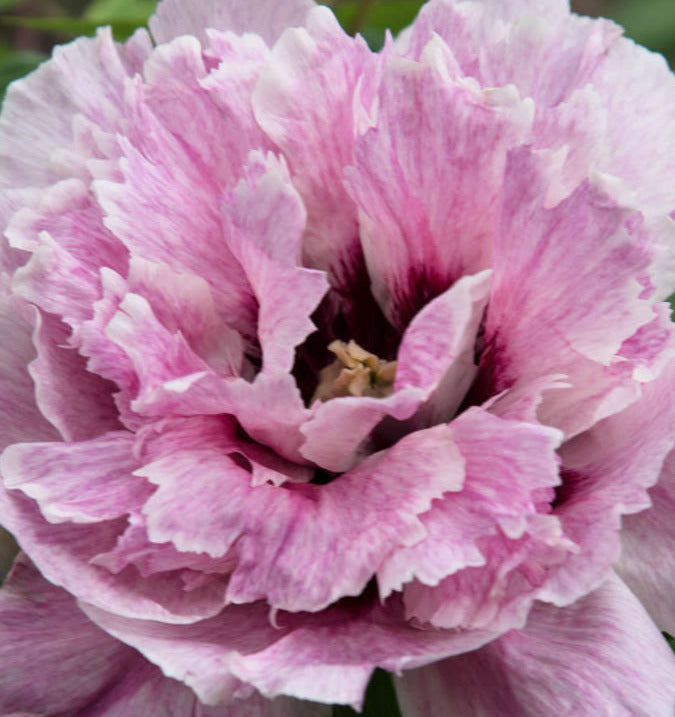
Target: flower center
{"points": [[355, 372]]}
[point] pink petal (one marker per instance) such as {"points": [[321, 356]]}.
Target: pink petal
{"points": [[84, 482], [427, 181], [192, 17], [20, 419], [602, 655], [329, 659], [62, 552], [166, 196], [38, 110], [646, 557], [578, 311], [55, 659], [77, 402], [309, 520]]}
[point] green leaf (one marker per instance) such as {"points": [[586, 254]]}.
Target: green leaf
{"points": [[649, 22], [107, 12], [385, 14], [71, 26], [380, 699]]}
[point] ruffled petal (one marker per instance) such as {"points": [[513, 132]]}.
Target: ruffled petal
{"points": [[309, 520], [305, 102], [265, 218], [267, 18], [602, 655], [37, 114], [502, 457]]}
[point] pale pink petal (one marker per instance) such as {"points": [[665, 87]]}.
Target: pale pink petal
{"points": [[267, 18], [265, 218], [330, 658], [62, 552], [600, 656], [38, 110], [606, 473], [83, 482], [166, 196], [305, 102], [501, 458], [428, 179], [572, 314], [196, 105], [435, 368]]}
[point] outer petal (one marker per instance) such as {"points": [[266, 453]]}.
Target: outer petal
{"points": [[63, 554], [38, 111], [56, 660], [427, 180], [328, 659], [264, 17], [646, 556], [600, 656], [606, 473]]}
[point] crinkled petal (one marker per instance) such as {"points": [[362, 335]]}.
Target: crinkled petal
{"points": [[573, 314], [309, 520], [267, 18], [600, 656], [305, 102], [502, 458], [37, 114]]}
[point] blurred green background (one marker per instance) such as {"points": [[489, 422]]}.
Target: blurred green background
{"points": [[30, 28]]}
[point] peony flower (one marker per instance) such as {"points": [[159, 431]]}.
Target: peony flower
{"points": [[318, 360]]}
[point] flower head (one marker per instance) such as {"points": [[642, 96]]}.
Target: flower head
{"points": [[319, 360]]}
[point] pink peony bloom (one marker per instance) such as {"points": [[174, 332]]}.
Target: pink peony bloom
{"points": [[317, 360]]}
